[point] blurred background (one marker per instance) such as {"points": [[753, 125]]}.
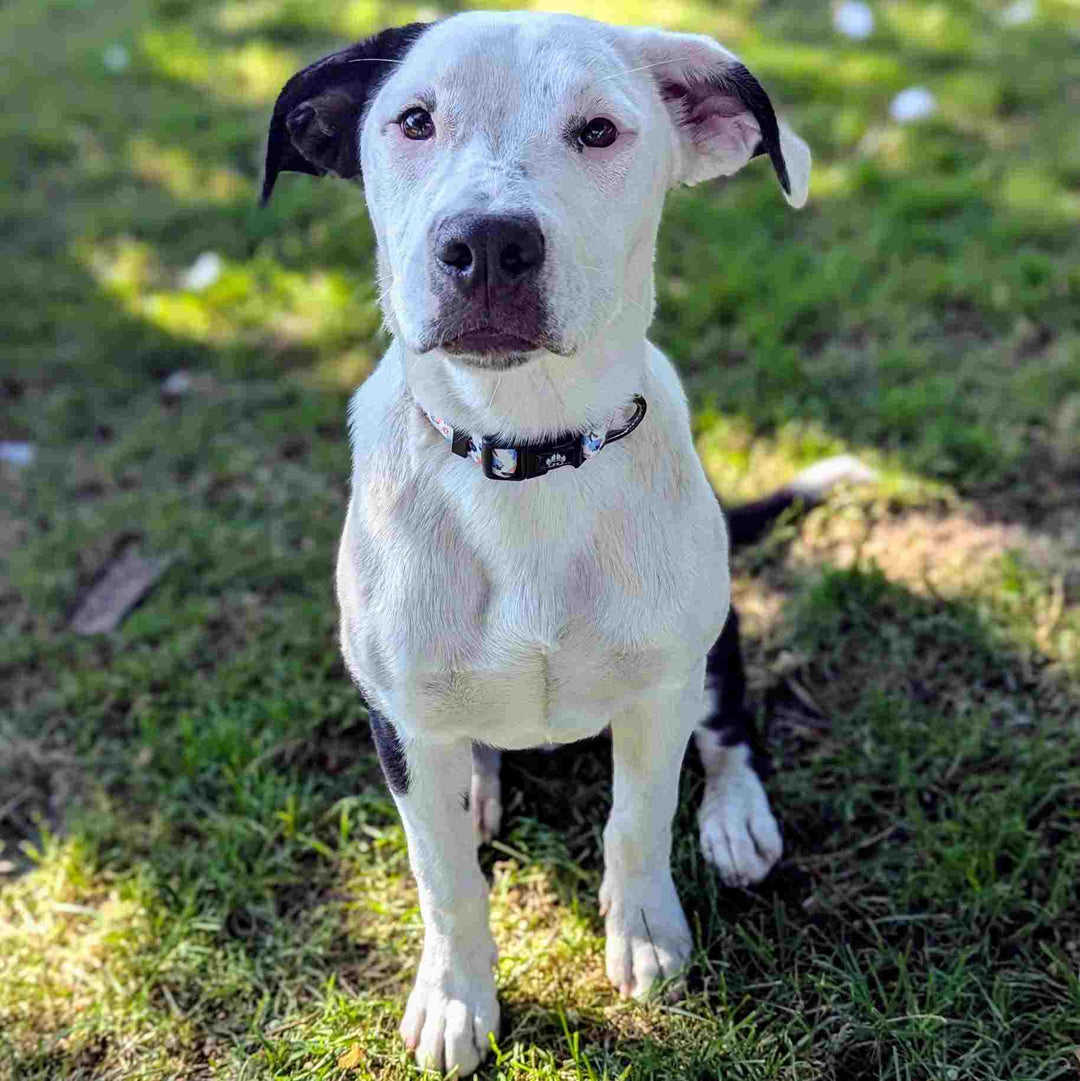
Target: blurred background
{"points": [[201, 873]]}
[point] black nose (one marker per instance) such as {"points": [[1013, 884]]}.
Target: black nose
{"points": [[495, 252]]}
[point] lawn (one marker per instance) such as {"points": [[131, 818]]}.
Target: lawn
{"points": [[202, 874]]}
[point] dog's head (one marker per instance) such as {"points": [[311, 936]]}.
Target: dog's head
{"points": [[515, 167]]}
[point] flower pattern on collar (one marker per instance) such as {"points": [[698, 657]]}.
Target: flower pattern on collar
{"points": [[505, 459]]}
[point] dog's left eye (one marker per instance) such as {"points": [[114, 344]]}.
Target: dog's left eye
{"points": [[598, 132], [417, 124]]}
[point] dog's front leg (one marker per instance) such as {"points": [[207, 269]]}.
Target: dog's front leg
{"points": [[452, 1007], [647, 933]]}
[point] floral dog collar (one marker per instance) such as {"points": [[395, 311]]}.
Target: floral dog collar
{"points": [[522, 461]]}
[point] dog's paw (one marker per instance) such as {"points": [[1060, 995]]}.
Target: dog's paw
{"points": [[485, 799], [739, 834], [451, 1010], [647, 935]]}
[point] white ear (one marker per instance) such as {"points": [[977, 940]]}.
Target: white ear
{"points": [[797, 157], [721, 113]]}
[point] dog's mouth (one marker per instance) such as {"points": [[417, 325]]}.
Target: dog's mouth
{"points": [[488, 343], [489, 347]]}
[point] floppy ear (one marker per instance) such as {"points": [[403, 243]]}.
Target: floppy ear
{"points": [[721, 113], [315, 128]]}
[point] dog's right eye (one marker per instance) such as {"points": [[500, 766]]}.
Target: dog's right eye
{"points": [[417, 124]]}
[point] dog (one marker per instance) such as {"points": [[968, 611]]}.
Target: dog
{"points": [[532, 551]]}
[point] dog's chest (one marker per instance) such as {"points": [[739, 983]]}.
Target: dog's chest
{"points": [[551, 665], [477, 634]]}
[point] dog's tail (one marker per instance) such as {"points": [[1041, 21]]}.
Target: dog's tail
{"points": [[749, 521]]}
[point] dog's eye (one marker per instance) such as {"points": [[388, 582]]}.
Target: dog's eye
{"points": [[417, 124], [598, 132]]}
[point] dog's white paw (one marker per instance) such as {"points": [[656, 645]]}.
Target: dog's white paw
{"points": [[647, 935], [485, 799], [452, 1008], [739, 834]]}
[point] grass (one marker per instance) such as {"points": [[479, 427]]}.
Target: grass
{"points": [[203, 874]]}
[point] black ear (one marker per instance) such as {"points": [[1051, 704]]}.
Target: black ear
{"points": [[721, 114], [752, 94], [315, 128]]}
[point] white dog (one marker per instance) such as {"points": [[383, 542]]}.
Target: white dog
{"points": [[515, 167]]}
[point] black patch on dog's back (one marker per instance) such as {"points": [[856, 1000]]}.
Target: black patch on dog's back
{"points": [[391, 753]]}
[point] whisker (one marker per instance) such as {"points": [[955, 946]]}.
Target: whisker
{"points": [[495, 389], [373, 60], [628, 71]]}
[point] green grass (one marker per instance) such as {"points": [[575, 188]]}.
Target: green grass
{"points": [[203, 874]]}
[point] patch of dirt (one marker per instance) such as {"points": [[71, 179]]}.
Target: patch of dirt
{"points": [[930, 553]]}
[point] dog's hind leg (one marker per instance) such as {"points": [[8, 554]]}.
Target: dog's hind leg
{"points": [[737, 828], [453, 1006], [647, 934], [485, 796]]}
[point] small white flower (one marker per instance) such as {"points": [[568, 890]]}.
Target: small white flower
{"points": [[1019, 12], [17, 454], [203, 272], [854, 19], [177, 385], [116, 58], [914, 103]]}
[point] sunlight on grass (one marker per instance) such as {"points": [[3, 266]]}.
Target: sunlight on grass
{"points": [[889, 147], [726, 24], [257, 303], [823, 70], [832, 182], [243, 16], [67, 935], [296, 19], [1032, 192], [971, 100], [915, 531], [934, 27], [345, 371], [733, 457], [1012, 576], [548, 953], [745, 465], [251, 74], [179, 173]]}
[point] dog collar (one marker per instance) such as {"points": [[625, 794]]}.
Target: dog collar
{"points": [[522, 461]]}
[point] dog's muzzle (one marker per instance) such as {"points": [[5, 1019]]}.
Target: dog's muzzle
{"points": [[485, 272]]}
